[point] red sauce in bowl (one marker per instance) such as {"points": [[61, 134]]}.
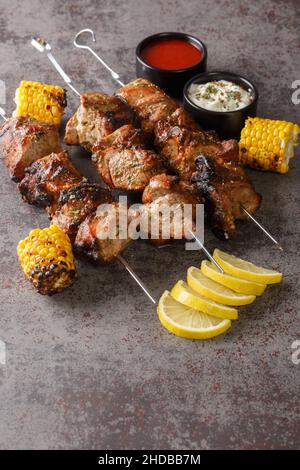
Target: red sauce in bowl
{"points": [[171, 54]]}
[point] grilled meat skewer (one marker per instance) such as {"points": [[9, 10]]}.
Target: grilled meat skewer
{"points": [[149, 102], [180, 191], [47, 177], [92, 238], [179, 144], [133, 98], [140, 103], [24, 140], [226, 187], [74, 205], [124, 162], [167, 190], [98, 116], [176, 135], [224, 184], [122, 158]]}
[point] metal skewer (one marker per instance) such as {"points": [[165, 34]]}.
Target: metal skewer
{"points": [[262, 228], [209, 256], [3, 114], [136, 277], [116, 77], [114, 74], [41, 45]]}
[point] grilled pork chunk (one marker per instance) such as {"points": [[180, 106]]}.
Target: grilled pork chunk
{"points": [[97, 116], [148, 101], [75, 204], [166, 190], [123, 161], [180, 145], [47, 177], [99, 237], [183, 118], [180, 191], [23, 141], [226, 187]]}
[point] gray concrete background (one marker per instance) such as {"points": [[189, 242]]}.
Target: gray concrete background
{"points": [[92, 367]]}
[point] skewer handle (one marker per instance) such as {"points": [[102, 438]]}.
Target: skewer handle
{"points": [[136, 278], [62, 73], [114, 74], [42, 46]]}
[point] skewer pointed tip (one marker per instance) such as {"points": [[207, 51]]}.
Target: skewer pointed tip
{"points": [[266, 232]]}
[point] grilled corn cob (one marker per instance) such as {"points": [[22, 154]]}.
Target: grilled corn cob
{"points": [[47, 259], [267, 144], [41, 102]]}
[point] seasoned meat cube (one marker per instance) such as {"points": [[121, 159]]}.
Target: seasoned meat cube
{"points": [[123, 162], [226, 187], [180, 191], [75, 204], [125, 136], [23, 141], [99, 237], [182, 118], [97, 116], [167, 190], [181, 145], [47, 177], [149, 102]]}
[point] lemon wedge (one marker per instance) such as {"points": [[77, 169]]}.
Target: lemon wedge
{"points": [[245, 270], [215, 291], [187, 296], [235, 283], [186, 322]]}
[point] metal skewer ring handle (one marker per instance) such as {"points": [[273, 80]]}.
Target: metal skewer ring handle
{"points": [[114, 74]]}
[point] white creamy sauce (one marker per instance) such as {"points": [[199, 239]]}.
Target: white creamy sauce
{"points": [[219, 95]]}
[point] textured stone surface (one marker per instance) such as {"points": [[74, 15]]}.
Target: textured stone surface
{"points": [[92, 367]]}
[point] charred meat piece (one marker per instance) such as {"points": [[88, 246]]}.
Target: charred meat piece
{"points": [[123, 161], [97, 116], [148, 101], [180, 191], [126, 136], [226, 187], [183, 118], [23, 141], [166, 190], [100, 236], [180, 146], [75, 204], [47, 177]]}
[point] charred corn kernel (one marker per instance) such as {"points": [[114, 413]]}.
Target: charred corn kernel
{"points": [[267, 144], [47, 259], [39, 101]]}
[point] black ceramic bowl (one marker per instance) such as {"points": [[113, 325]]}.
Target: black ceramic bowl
{"points": [[227, 124], [171, 81]]}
